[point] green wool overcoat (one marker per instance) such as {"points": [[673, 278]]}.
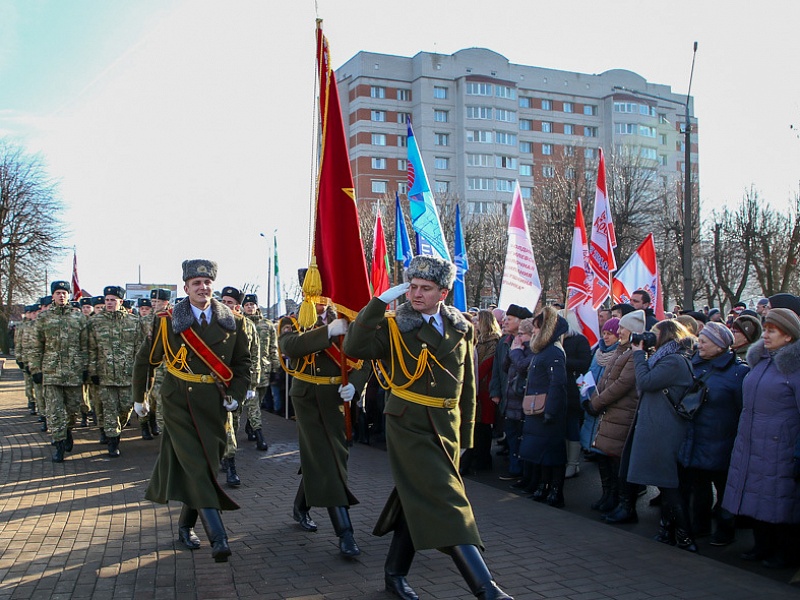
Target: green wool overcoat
{"points": [[193, 440], [424, 442], [320, 415]]}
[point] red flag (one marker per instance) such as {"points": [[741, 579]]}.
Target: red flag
{"points": [[380, 259], [338, 248], [640, 272], [77, 292], [604, 240], [579, 287]]}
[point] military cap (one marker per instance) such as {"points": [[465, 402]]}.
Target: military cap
{"points": [[250, 298], [31, 308], [232, 292], [199, 267], [160, 294], [85, 301], [431, 268], [46, 300], [75, 304], [35, 306], [127, 303], [113, 290], [144, 302], [59, 285], [98, 300]]}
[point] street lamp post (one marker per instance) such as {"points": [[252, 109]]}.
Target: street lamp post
{"points": [[688, 216]]}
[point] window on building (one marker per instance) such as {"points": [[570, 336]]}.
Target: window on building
{"points": [[505, 91], [662, 160], [547, 149], [441, 163], [525, 102], [479, 135], [377, 91], [625, 128], [648, 153], [526, 192], [441, 187], [548, 171], [479, 183], [662, 139], [547, 105], [588, 153], [662, 119], [378, 139], [440, 116], [479, 89], [526, 170], [505, 138], [378, 115], [646, 131], [569, 107], [505, 162], [648, 111], [508, 116], [479, 160], [590, 110], [480, 208], [569, 129], [504, 185], [402, 141], [379, 187], [378, 163], [626, 107], [404, 95], [439, 92], [525, 125], [479, 112], [569, 173], [590, 132], [547, 127], [569, 150], [441, 139], [402, 187], [402, 164], [403, 118], [526, 147]]}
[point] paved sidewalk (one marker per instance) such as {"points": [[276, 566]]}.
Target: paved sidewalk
{"points": [[82, 529]]}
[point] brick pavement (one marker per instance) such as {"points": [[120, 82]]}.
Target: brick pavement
{"points": [[82, 529]]}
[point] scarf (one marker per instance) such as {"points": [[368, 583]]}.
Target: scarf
{"points": [[671, 347]]}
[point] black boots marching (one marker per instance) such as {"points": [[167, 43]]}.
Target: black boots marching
{"points": [[300, 510], [186, 523], [473, 569], [340, 519], [215, 531], [398, 562]]}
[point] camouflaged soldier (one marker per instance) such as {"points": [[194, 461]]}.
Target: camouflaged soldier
{"points": [[114, 338], [44, 304], [86, 308], [232, 298], [23, 331], [269, 361], [160, 301], [58, 361]]}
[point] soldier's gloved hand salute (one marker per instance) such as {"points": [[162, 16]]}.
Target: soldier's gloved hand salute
{"points": [[337, 327], [393, 293]]}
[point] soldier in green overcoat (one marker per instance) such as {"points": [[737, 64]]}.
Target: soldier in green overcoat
{"points": [[426, 354], [206, 353], [317, 395]]}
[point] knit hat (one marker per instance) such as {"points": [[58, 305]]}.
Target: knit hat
{"points": [[763, 302], [718, 334], [199, 267], [611, 325], [526, 326], [749, 326], [785, 320], [712, 312], [783, 300], [432, 268], [518, 311], [633, 321]]}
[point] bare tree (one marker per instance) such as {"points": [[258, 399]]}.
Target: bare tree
{"points": [[776, 246]]}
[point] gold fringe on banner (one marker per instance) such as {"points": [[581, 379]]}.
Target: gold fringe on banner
{"points": [[312, 291]]}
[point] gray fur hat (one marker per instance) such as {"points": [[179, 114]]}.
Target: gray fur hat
{"points": [[199, 267], [432, 268]]}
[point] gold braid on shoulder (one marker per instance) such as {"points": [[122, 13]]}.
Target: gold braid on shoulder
{"points": [[398, 348]]}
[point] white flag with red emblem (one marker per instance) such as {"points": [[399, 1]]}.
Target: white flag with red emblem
{"points": [[521, 283], [640, 272], [604, 240], [580, 284]]}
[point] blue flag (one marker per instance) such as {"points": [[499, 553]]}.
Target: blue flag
{"points": [[462, 266], [424, 216], [402, 245]]}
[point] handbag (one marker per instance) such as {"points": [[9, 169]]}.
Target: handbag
{"points": [[692, 400], [533, 404]]}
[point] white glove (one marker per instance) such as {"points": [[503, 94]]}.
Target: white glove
{"points": [[141, 409], [250, 395], [337, 327], [346, 392], [230, 404], [394, 293]]}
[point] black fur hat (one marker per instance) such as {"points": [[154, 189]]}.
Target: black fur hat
{"points": [[144, 302], [59, 285], [160, 294], [250, 298], [113, 290], [232, 292]]}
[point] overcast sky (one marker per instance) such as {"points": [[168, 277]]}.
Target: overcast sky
{"points": [[182, 128]]}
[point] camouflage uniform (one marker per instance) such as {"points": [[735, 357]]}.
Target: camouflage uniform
{"points": [[22, 331], [269, 361], [255, 373], [114, 338], [59, 355]]}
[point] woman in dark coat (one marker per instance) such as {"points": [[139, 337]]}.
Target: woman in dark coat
{"points": [[659, 432], [709, 440], [543, 435], [519, 358], [765, 464], [579, 358]]}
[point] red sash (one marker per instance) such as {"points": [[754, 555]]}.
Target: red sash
{"points": [[206, 354]]}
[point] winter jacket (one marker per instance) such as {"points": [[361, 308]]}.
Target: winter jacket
{"points": [[499, 382], [710, 435], [518, 361], [616, 399], [579, 357], [760, 479]]}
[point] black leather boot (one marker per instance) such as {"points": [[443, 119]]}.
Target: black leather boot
{"points": [[248, 429], [94, 417], [261, 443], [31, 407], [186, 523], [154, 428], [300, 510], [608, 481], [44, 424], [84, 419], [540, 493], [103, 437], [398, 562], [113, 447], [555, 497], [625, 511], [146, 435], [683, 530], [233, 477], [58, 455], [470, 564], [666, 531], [215, 531], [69, 443], [340, 518], [726, 529]]}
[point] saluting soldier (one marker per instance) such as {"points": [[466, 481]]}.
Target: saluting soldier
{"points": [[317, 396], [206, 352], [270, 362], [58, 361], [114, 339], [427, 354]]}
